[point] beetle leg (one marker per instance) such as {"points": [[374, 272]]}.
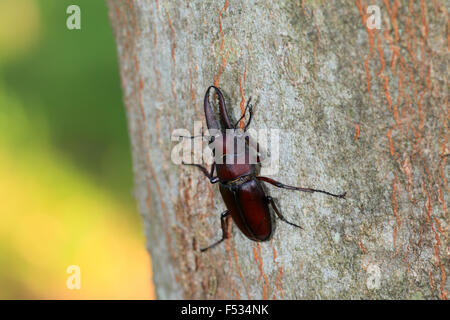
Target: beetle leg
{"points": [[280, 185], [282, 218], [209, 175], [202, 135], [226, 234]]}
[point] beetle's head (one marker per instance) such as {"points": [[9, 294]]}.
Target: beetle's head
{"points": [[231, 147]]}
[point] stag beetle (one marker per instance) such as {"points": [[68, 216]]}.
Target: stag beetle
{"points": [[246, 202]]}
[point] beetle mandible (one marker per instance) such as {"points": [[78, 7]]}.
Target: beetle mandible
{"points": [[241, 189]]}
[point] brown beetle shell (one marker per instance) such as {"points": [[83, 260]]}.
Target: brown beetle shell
{"points": [[249, 209]]}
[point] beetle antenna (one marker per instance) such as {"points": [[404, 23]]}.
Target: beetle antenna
{"points": [[243, 115], [250, 118]]}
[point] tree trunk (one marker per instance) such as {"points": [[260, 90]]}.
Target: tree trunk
{"points": [[360, 110]]}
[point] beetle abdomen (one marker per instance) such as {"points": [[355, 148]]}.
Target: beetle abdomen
{"points": [[249, 209]]}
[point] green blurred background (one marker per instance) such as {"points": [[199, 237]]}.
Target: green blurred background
{"points": [[65, 165]]}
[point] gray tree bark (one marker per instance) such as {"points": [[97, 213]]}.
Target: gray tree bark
{"points": [[362, 110]]}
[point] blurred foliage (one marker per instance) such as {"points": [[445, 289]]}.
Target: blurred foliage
{"points": [[72, 76], [65, 164]]}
